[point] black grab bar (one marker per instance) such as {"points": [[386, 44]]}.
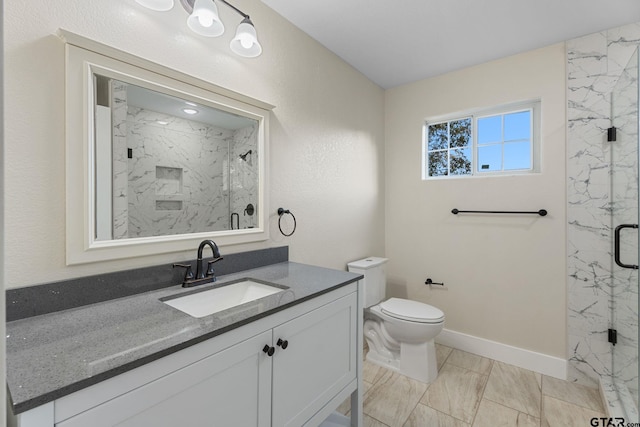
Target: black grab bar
{"points": [[541, 212], [616, 241]]}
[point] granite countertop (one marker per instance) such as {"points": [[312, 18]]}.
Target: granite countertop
{"points": [[53, 355]]}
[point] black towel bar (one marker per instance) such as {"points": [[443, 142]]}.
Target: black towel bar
{"points": [[541, 212]]}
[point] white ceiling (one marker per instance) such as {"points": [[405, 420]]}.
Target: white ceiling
{"points": [[159, 102], [398, 42]]}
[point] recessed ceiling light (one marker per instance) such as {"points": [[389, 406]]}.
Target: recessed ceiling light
{"points": [[190, 110], [193, 104], [162, 122]]}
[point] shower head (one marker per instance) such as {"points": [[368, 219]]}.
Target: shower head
{"points": [[244, 156]]}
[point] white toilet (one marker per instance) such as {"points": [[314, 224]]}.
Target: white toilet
{"points": [[400, 333]]}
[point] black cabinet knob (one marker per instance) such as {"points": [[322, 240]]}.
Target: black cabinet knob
{"points": [[284, 344], [269, 350]]}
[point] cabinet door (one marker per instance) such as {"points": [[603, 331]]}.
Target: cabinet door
{"points": [[229, 388], [318, 362]]}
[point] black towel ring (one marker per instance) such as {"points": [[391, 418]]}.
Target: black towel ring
{"points": [[281, 213]]}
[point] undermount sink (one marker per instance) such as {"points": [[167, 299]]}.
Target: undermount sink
{"points": [[203, 303]]}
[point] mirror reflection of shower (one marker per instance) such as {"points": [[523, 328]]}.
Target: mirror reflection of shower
{"points": [[166, 164]]}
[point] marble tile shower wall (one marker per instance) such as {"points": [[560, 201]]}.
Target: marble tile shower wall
{"points": [[180, 176], [120, 161], [244, 175], [594, 66], [176, 175], [624, 204]]}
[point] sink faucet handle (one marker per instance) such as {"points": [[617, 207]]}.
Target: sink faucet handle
{"points": [[188, 275], [210, 270]]}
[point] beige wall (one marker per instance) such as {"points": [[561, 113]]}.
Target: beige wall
{"points": [[327, 151], [504, 276]]}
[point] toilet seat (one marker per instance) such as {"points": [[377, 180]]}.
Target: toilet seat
{"points": [[412, 311]]}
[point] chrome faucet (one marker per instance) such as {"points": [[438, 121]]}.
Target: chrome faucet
{"points": [[202, 276]]}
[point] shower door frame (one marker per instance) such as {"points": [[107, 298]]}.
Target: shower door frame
{"points": [[625, 210]]}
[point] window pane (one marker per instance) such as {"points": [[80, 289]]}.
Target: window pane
{"points": [[460, 133], [490, 129], [494, 141], [490, 158], [517, 155], [517, 126], [438, 163], [460, 161], [438, 138]]}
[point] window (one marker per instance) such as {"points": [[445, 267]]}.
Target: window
{"points": [[488, 142]]}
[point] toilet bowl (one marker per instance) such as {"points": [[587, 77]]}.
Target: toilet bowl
{"points": [[400, 333]]}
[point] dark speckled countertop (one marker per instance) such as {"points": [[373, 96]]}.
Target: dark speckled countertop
{"points": [[53, 355]]}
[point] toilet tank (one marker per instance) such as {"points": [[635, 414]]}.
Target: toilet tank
{"points": [[375, 278]]}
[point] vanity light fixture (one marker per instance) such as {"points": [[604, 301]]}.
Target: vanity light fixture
{"points": [[204, 20], [159, 5]]}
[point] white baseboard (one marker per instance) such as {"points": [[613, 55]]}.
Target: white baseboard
{"points": [[527, 359]]}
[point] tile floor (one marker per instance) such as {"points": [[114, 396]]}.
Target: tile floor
{"points": [[474, 391]]}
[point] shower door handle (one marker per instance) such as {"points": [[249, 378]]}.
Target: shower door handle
{"points": [[616, 243]]}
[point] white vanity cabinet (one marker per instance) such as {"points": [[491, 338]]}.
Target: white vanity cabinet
{"points": [[292, 368], [229, 388], [318, 362]]}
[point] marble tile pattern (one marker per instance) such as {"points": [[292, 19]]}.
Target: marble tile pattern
{"points": [[197, 154], [120, 166], [183, 175], [481, 393], [393, 397], [595, 64], [244, 174], [624, 203], [515, 387], [456, 391]]}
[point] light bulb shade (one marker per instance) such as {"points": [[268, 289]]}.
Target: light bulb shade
{"points": [[159, 5], [204, 19], [245, 43]]}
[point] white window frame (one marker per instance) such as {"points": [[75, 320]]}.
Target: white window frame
{"points": [[533, 105]]}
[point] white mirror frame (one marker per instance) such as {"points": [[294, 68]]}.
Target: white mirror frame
{"points": [[85, 57]]}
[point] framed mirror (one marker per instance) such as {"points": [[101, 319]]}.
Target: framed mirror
{"points": [[157, 160]]}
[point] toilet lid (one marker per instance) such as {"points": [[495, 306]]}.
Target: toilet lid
{"points": [[413, 311]]}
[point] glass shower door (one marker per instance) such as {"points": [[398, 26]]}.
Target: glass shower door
{"points": [[624, 214]]}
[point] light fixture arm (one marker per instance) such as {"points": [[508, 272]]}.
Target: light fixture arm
{"points": [[188, 6], [244, 15], [206, 22]]}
